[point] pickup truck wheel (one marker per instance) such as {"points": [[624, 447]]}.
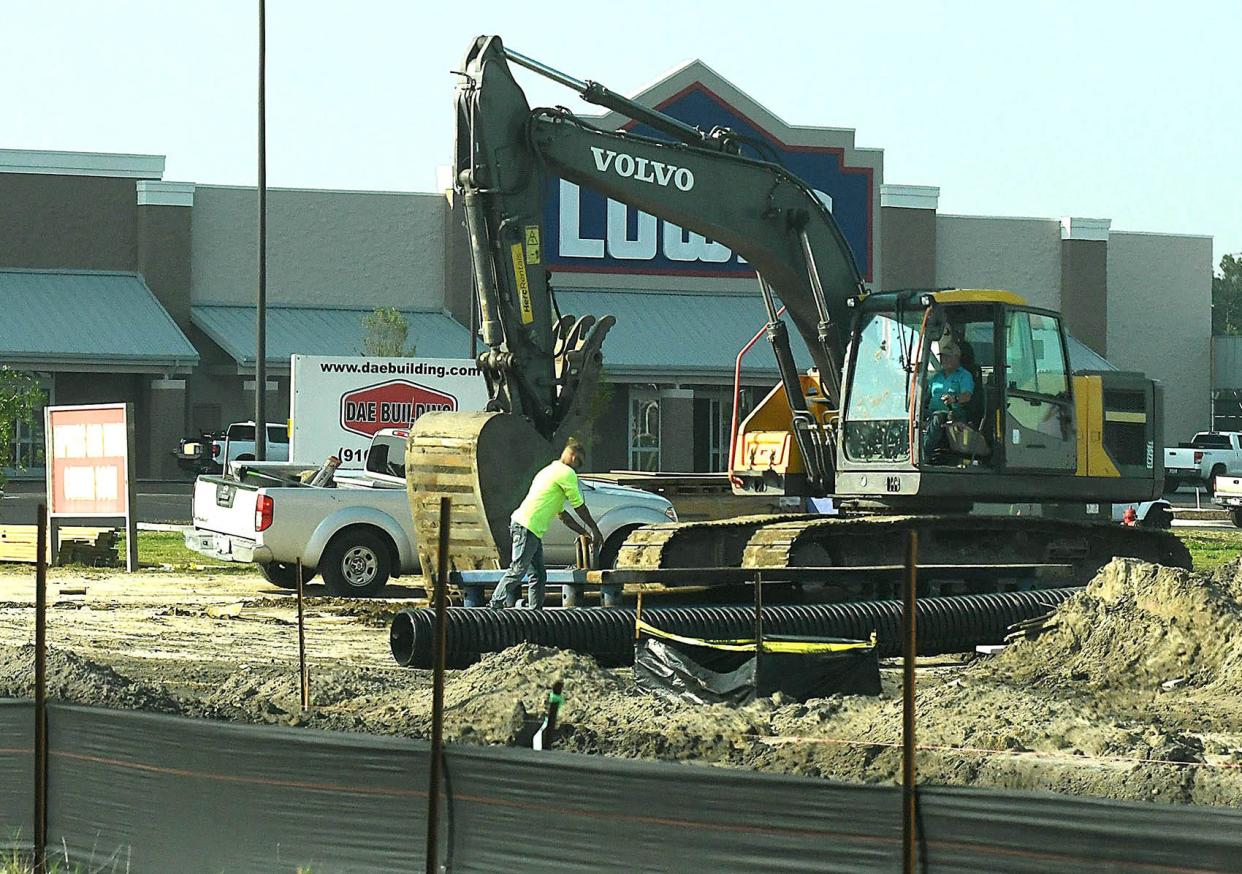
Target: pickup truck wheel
{"points": [[356, 564], [1158, 517], [1171, 484], [284, 574], [1235, 516]]}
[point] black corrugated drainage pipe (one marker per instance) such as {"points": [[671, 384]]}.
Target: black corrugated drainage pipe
{"points": [[945, 624]]}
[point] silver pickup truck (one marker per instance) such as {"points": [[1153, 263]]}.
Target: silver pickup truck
{"points": [[358, 532]]}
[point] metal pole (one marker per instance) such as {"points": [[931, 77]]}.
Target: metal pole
{"points": [[40, 738], [260, 340], [131, 494], [909, 796], [437, 693], [303, 671]]}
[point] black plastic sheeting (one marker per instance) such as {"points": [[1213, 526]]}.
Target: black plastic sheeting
{"points": [[16, 773], [701, 675], [157, 793], [945, 624]]}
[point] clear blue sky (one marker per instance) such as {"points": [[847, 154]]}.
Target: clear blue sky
{"points": [[1112, 109]]}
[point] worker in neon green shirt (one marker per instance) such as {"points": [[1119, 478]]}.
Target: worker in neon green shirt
{"points": [[552, 487]]}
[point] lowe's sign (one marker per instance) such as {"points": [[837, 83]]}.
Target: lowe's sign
{"points": [[593, 234]]}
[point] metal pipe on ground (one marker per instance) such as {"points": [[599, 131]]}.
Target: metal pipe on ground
{"points": [[946, 624]]}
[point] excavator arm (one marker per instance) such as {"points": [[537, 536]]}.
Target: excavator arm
{"points": [[543, 367], [538, 365], [702, 183]]}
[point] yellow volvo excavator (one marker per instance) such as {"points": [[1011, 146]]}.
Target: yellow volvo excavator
{"points": [[861, 426]]}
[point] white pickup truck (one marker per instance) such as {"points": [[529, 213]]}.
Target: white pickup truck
{"points": [[1227, 491], [358, 532], [1209, 455], [208, 454]]}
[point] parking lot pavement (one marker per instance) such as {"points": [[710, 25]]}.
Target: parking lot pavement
{"points": [[1220, 524], [1187, 497], [153, 506]]}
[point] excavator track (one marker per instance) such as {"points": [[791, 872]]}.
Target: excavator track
{"points": [[717, 543], [976, 553]]}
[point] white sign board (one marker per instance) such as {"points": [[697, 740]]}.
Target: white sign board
{"points": [[338, 403], [90, 468]]}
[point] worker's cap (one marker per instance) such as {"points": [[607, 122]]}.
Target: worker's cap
{"points": [[948, 346]]}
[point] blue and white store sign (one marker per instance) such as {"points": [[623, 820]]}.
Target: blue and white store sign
{"points": [[592, 234]]}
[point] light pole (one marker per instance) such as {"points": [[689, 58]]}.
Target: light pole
{"points": [[260, 343]]}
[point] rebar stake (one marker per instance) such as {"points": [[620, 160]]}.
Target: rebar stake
{"points": [[909, 792], [40, 738], [303, 670], [437, 693], [758, 628]]}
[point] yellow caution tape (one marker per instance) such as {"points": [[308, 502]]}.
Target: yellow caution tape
{"points": [[748, 645]]}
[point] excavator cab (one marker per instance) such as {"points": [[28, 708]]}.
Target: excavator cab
{"points": [[1011, 430], [938, 381]]}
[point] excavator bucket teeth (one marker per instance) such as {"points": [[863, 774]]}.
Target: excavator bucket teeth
{"points": [[483, 463]]}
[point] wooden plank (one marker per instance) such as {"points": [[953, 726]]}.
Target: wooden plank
{"points": [[17, 542]]}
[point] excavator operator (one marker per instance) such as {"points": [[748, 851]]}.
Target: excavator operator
{"points": [[950, 389]]}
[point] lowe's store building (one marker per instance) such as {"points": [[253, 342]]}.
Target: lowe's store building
{"points": [[119, 285]]}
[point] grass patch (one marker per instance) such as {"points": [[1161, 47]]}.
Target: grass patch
{"points": [[1211, 548], [167, 548], [14, 862], [156, 549]]}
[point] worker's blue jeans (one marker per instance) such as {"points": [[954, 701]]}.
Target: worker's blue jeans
{"points": [[527, 558], [934, 433]]}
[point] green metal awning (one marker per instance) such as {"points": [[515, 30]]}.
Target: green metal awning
{"points": [[320, 331], [683, 335], [85, 320]]}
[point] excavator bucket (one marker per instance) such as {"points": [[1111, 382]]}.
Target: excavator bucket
{"points": [[484, 463]]}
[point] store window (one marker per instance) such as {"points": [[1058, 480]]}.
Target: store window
{"points": [[713, 421], [644, 451], [25, 458], [718, 415]]}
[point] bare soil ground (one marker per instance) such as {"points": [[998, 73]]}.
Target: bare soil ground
{"points": [[1132, 692]]}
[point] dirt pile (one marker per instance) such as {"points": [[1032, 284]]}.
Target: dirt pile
{"points": [[604, 711], [1130, 693], [259, 693], [78, 680], [1139, 627]]}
